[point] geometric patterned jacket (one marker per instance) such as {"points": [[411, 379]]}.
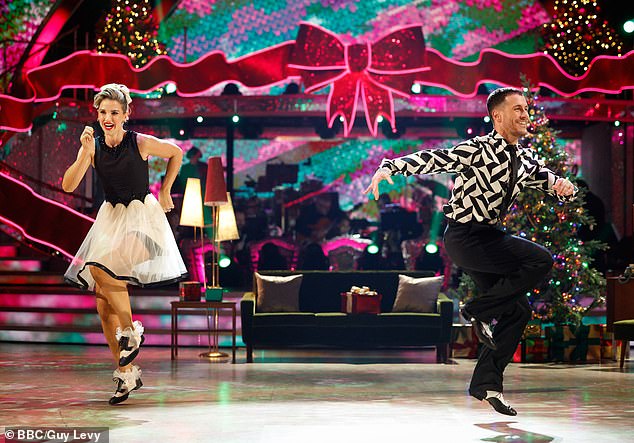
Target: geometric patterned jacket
{"points": [[483, 167]]}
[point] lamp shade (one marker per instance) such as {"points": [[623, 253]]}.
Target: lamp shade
{"points": [[227, 226], [216, 189], [192, 212]]}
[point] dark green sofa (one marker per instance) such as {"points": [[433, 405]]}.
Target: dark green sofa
{"points": [[321, 324]]}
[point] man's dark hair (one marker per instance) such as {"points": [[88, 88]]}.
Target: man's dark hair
{"points": [[497, 97]]}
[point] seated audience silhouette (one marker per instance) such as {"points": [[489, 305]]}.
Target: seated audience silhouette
{"points": [[271, 259], [314, 259], [370, 262]]}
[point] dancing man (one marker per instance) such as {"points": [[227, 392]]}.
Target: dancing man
{"points": [[131, 240], [491, 171]]}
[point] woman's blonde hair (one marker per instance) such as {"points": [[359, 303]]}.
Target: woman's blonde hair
{"points": [[114, 91]]}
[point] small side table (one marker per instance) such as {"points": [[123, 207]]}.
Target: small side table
{"points": [[207, 306]]}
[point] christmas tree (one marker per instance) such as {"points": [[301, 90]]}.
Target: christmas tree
{"points": [[574, 286], [130, 30], [578, 34]]}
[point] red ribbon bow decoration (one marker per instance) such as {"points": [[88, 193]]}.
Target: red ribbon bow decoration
{"points": [[359, 69]]}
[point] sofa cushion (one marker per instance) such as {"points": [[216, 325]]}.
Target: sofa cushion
{"points": [[278, 294], [417, 294]]}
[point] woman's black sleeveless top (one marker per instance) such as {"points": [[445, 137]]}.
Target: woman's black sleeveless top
{"points": [[121, 169]]}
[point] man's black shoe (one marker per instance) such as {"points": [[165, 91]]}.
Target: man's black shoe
{"points": [[501, 406], [482, 329]]}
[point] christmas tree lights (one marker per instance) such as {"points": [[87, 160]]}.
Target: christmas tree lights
{"points": [[578, 34], [130, 30]]}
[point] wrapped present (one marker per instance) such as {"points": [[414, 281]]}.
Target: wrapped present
{"points": [[611, 348], [518, 356], [561, 342], [361, 300], [190, 290], [537, 350], [587, 343], [533, 347], [607, 344], [575, 343], [532, 350], [464, 342], [618, 348]]}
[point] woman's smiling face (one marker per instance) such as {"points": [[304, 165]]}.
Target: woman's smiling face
{"points": [[111, 116]]}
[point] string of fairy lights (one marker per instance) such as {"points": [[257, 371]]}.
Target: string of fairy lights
{"points": [[130, 29], [578, 34]]}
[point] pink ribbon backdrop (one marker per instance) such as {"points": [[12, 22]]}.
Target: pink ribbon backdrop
{"points": [[371, 71]]}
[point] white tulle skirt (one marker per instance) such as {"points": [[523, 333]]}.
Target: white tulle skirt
{"points": [[133, 243]]}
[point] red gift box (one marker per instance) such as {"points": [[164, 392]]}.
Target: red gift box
{"points": [[536, 350], [355, 303], [611, 348], [190, 290]]}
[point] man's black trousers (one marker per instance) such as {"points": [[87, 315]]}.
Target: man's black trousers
{"points": [[504, 268]]}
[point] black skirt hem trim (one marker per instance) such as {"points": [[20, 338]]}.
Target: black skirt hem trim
{"points": [[83, 284]]}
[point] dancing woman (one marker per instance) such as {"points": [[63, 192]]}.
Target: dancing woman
{"points": [[131, 241]]}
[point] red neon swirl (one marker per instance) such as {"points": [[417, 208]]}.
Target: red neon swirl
{"points": [[335, 64]]}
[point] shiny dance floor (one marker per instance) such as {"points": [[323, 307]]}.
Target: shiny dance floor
{"points": [[311, 396]]}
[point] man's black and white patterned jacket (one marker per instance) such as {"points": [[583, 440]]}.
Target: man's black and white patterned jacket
{"points": [[483, 167]]}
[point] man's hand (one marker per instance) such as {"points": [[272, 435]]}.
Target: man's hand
{"points": [[380, 175], [165, 200], [563, 187]]}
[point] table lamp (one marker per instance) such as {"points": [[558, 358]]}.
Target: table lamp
{"points": [[215, 196], [227, 225], [192, 215]]}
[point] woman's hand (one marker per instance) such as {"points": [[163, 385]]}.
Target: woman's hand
{"points": [[87, 139], [165, 200]]}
